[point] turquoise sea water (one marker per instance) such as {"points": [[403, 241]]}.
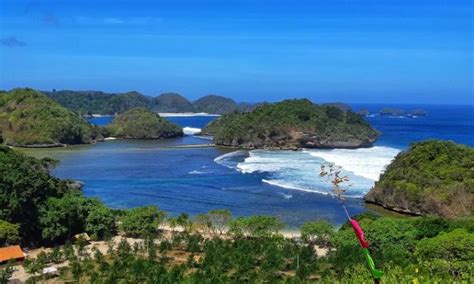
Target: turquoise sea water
{"points": [[128, 173]]}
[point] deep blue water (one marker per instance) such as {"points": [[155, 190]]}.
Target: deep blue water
{"points": [[454, 123], [128, 173], [184, 121]]}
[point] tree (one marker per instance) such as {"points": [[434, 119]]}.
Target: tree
{"points": [[9, 233], [202, 222], [455, 245], [6, 273], [255, 226], [34, 266], [142, 221], [100, 222], [318, 232], [184, 222], [61, 218], [25, 185], [219, 219]]}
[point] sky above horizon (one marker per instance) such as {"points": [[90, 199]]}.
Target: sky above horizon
{"points": [[401, 51]]}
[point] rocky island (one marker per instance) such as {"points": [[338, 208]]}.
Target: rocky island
{"points": [[292, 124], [140, 123], [392, 111], [431, 177], [418, 112], [29, 118]]}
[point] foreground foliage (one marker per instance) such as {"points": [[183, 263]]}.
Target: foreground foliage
{"points": [[215, 247], [401, 248], [46, 209], [431, 177]]}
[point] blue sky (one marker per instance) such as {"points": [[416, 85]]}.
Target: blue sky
{"points": [[401, 51]]}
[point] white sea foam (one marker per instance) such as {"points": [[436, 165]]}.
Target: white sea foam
{"points": [[289, 185], [286, 196], [230, 160], [185, 114], [365, 162], [191, 130], [205, 137], [299, 170]]}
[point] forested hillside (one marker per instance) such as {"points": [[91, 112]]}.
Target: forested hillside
{"points": [[96, 102], [171, 102], [216, 104], [29, 118], [431, 177], [292, 124], [140, 123]]}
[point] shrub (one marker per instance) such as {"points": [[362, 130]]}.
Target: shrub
{"points": [[142, 221]]}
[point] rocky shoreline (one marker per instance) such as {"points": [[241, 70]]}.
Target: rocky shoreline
{"points": [[295, 140], [392, 208]]}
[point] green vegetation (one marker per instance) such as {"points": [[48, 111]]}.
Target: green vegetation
{"points": [[291, 124], [28, 118], [257, 226], [96, 102], [142, 221], [38, 209], [401, 248], [140, 123], [215, 104], [171, 102], [431, 177], [42, 208], [9, 233], [318, 232]]}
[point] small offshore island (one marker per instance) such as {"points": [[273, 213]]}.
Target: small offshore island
{"points": [[292, 124], [140, 123]]}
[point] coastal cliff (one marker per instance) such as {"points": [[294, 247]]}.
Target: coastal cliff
{"points": [[431, 177], [292, 124], [140, 123]]}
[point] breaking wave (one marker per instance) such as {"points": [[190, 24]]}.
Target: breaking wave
{"points": [[191, 130], [364, 162], [299, 170]]}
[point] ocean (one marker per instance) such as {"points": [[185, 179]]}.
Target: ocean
{"points": [[286, 184]]}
